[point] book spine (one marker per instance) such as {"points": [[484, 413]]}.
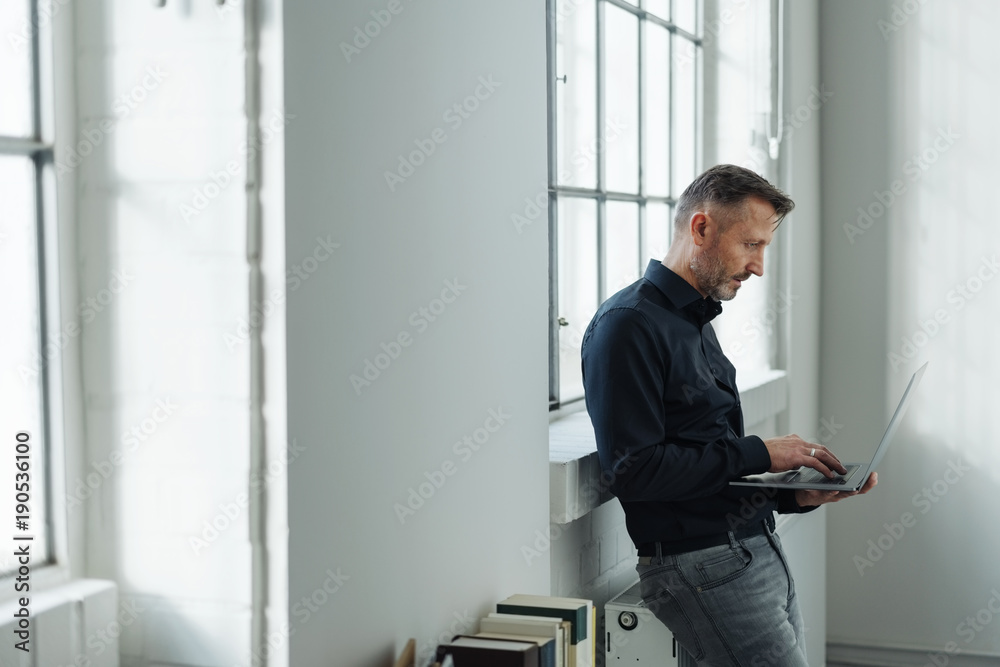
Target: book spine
{"points": [[593, 636], [578, 617]]}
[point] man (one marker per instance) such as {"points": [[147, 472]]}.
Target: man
{"points": [[666, 413]]}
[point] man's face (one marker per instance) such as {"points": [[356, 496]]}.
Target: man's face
{"points": [[725, 260]]}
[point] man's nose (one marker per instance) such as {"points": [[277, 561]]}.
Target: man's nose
{"points": [[756, 265]]}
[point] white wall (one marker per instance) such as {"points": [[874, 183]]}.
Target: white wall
{"points": [[806, 95], [273, 413], [913, 566], [373, 579], [160, 102], [852, 380]]}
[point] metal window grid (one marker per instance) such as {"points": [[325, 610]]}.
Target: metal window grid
{"points": [[39, 149], [600, 194]]}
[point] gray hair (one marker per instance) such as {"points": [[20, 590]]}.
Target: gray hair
{"points": [[730, 186]]}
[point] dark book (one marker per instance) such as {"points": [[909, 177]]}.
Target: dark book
{"points": [[482, 652], [546, 647]]}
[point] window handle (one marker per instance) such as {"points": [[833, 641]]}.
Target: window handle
{"points": [[777, 78]]}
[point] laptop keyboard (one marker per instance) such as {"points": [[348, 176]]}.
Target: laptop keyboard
{"points": [[813, 476]]}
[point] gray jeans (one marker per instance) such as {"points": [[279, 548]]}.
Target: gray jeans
{"points": [[729, 605]]}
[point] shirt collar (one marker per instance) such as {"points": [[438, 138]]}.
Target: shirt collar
{"points": [[681, 293]]}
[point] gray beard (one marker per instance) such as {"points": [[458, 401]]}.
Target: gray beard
{"points": [[712, 276]]}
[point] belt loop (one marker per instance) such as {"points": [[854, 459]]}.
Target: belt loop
{"points": [[659, 552], [732, 540], [769, 523]]}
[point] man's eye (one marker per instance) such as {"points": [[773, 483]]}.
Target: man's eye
{"points": [[752, 245]]}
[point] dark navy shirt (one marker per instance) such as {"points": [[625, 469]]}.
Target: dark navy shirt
{"points": [[666, 413]]}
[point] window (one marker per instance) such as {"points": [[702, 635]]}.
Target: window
{"points": [[743, 126], [624, 141], [28, 353]]}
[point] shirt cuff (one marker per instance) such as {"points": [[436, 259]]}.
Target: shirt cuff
{"points": [[788, 505], [758, 459]]}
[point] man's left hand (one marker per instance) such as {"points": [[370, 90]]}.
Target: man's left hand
{"points": [[811, 498]]}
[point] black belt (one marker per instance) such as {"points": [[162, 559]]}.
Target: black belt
{"points": [[695, 543]]}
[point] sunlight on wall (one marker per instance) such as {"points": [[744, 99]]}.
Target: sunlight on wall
{"points": [[939, 202], [162, 178]]}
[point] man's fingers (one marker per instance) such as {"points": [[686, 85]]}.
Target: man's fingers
{"points": [[870, 483], [816, 464], [819, 458], [829, 460], [808, 498], [868, 486], [791, 452]]}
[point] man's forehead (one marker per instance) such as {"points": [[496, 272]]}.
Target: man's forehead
{"points": [[761, 218], [756, 229], [761, 210]]}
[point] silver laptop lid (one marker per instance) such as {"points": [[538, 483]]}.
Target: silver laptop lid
{"points": [[897, 416]]}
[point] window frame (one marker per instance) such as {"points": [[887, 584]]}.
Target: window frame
{"points": [[600, 194], [39, 147]]}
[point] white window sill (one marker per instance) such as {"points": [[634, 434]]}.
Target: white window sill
{"points": [[71, 592], [575, 487], [73, 620]]}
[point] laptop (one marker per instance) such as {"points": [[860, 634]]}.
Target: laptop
{"points": [[857, 473]]}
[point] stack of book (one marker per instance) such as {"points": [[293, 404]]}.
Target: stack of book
{"points": [[528, 631]]}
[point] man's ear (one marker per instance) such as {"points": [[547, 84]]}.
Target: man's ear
{"points": [[699, 227]]}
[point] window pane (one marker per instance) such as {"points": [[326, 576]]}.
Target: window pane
{"points": [[686, 15], [659, 7], [656, 143], [577, 232], [621, 99], [658, 224], [685, 105], [747, 328], [622, 244], [20, 364], [17, 34], [576, 99]]}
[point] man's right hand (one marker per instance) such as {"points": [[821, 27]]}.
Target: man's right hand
{"points": [[790, 452]]}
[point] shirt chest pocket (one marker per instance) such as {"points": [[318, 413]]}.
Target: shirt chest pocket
{"points": [[703, 387], [700, 406]]}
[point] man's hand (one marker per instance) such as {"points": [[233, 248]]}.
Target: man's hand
{"points": [[812, 498], [790, 452]]}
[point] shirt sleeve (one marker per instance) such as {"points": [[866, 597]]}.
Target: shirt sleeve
{"points": [[624, 371], [788, 505]]}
